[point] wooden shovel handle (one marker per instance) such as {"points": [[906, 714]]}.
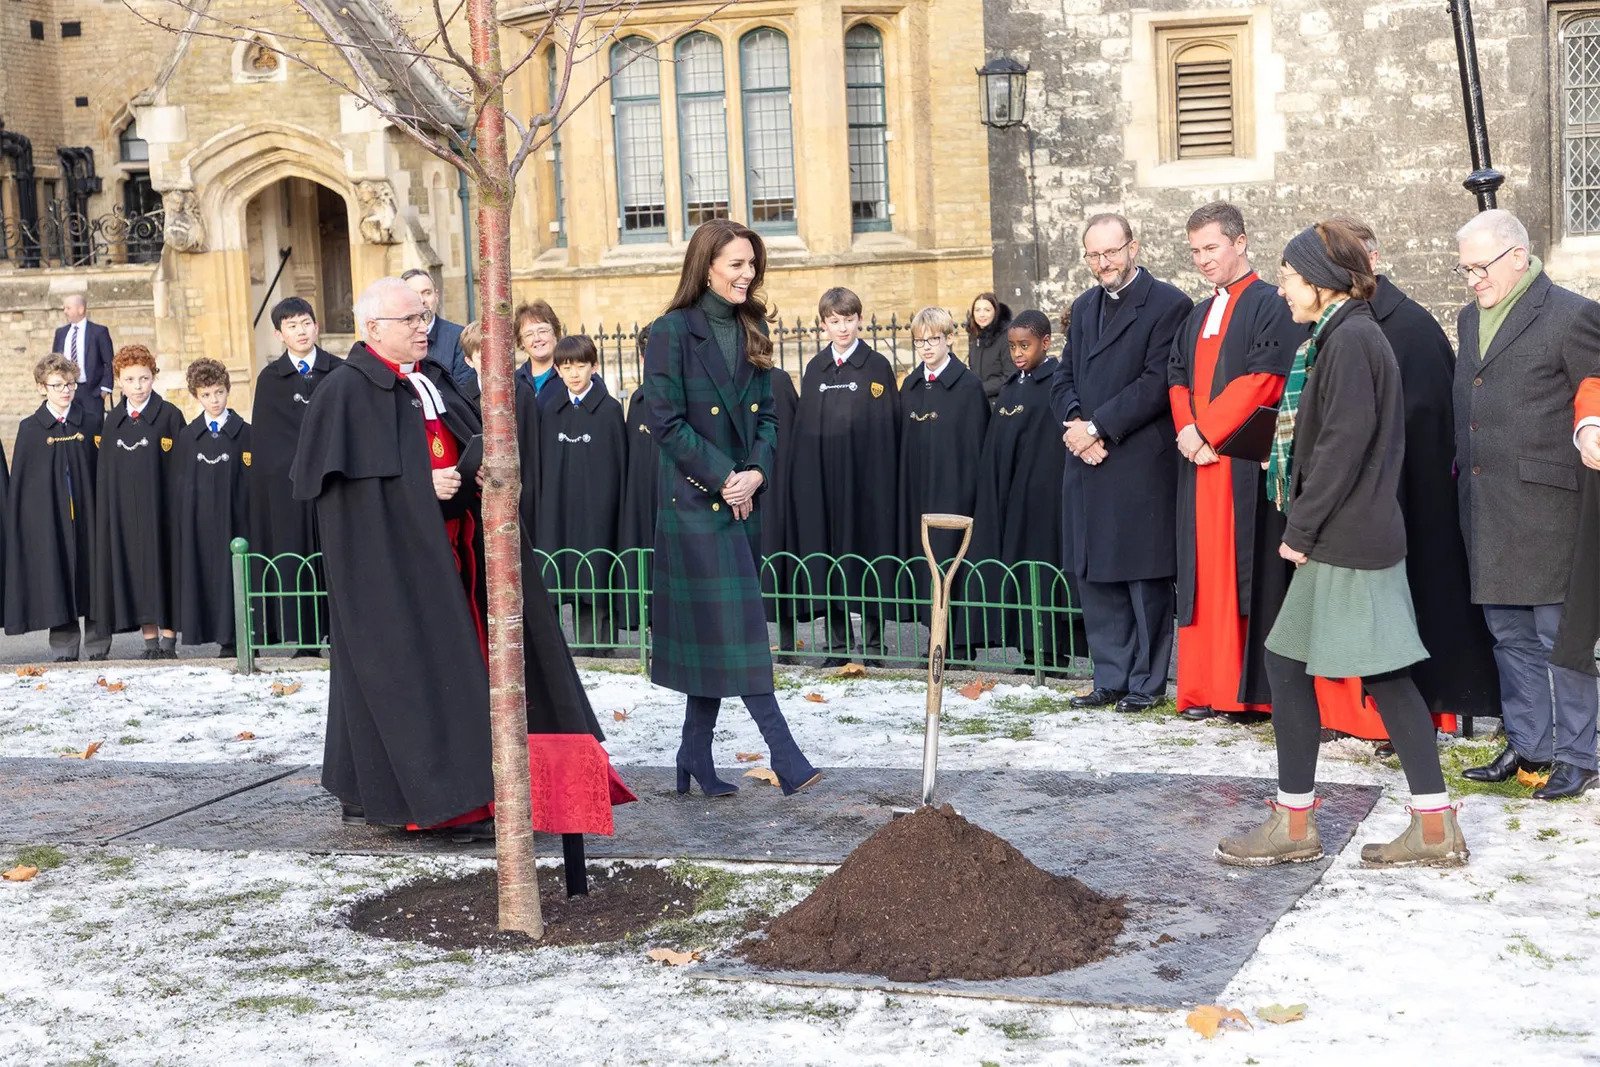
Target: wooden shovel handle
{"points": [[946, 522]]}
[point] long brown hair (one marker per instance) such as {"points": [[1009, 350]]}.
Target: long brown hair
{"points": [[1347, 247], [708, 240]]}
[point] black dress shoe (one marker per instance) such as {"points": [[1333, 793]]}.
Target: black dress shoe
{"points": [[1100, 697], [1567, 780], [1384, 750], [1503, 767], [468, 832], [66, 659], [1197, 713], [100, 656], [1243, 718], [352, 815], [228, 652], [1136, 702]]}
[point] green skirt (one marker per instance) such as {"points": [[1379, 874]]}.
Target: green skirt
{"points": [[1346, 623]]}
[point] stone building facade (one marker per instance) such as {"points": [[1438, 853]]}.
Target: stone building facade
{"points": [[1293, 110], [220, 177]]}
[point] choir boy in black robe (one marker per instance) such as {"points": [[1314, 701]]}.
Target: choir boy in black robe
{"points": [[278, 522], [1018, 519], [134, 583], [408, 724], [637, 528], [842, 488], [943, 416], [777, 532], [49, 520], [213, 466], [583, 463]]}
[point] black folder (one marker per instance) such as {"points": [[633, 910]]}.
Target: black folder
{"points": [[1252, 442], [471, 459]]}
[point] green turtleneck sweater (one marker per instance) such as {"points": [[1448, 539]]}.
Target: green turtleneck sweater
{"points": [[725, 326], [1490, 319]]}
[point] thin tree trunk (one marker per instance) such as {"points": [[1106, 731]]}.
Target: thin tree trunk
{"points": [[508, 716]]}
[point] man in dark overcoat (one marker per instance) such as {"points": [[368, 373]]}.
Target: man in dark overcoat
{"points": [[1526, 347], [88, 345], [1119, 488], [444, 336]]}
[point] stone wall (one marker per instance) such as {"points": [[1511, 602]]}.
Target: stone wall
{"points": [[1362, 116]]}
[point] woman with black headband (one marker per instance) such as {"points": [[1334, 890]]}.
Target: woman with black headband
{"points": [[1334, 472]]}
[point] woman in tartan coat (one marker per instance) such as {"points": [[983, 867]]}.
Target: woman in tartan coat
{"points": [[707, 372]]}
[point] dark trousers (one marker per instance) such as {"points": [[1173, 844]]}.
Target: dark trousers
{"points": [[1130, 629], [67, 639], [593, 624], [1549, 711]]}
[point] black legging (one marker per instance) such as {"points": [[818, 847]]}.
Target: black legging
{"points": [[1297, 723]]}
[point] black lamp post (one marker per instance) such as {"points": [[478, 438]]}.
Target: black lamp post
{"points": [[1484, 179], [1003, 104]]}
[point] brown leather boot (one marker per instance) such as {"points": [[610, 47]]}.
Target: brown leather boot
{"points": [[1432, 840], [1289, 835]]}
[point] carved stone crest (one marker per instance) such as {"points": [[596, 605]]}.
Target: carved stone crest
{"points": [[185, 230], [378, 213]]}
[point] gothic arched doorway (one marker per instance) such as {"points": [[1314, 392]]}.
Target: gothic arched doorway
{"points": [[297, 237]]}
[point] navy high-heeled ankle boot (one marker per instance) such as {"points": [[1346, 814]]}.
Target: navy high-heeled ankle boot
{"points": [[694, 753], [794, 771]]}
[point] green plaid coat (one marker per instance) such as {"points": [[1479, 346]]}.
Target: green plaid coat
{"points": [[708, 629]]}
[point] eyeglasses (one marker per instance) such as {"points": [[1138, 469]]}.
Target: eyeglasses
{"points": [[539, 331], [926, 342], [60, 387], [1479, 273], [413, 322], [1109, 257]]}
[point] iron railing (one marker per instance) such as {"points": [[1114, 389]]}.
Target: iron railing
{"points": [[280, 606], [61, 237]]}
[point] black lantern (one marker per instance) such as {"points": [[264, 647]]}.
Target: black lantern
{"points": [[1003, 93]]}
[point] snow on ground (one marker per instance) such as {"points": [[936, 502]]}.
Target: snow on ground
{"points": [[146, 955]]}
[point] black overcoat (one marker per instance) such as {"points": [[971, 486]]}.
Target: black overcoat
{"points": [[777, 530], [709, 632], [1119, 518], [842, 492], [583, 461], [136, 490], [278, 522], [213, 472], [49, 521], [636, 532], [989, 353], [1459, 674]]}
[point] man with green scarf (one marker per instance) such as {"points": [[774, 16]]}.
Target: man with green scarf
{"points": [[1526, 346]]}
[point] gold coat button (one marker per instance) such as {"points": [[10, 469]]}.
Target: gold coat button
{"points": [[715, 410], [716, 507], [755, 407]]}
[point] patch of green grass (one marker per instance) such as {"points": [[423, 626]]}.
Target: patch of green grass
{"points": [[116, 865], [30, 727], [132, 722], [418, 993], [1459, 755], [313, 971], [1021, 730], [1181, 741], [1554, 1032], [807, 1010], [1486, 897], [249, 952], [129, 739], [1039, 704], [848, 720], [1522, 945], [63, 914], [44, 857], [264, 1004], [1017, 1030], [269, 895], [1519, 878], [1547, 833], [963, 727], [1513, 824]]}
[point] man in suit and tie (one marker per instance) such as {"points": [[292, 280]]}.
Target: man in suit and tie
{"points": [[1119, 488], [444, 336], [88, 344], [1527, 346]]}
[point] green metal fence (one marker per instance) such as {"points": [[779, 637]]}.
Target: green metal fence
{"points": [[835, 608]]}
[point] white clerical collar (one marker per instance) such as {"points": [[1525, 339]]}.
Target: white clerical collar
{"points": [[931, 373], [140, 409], [1117, 295], [840, 357]]}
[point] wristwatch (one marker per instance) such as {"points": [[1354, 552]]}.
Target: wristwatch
{"points": [[1092, 430]]}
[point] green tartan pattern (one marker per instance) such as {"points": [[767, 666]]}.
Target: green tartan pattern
{"points": [[709, 629], [1280, 464]]}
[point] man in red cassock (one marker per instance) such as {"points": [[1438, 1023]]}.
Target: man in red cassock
{"points": [[408, 702], [1231, 357]]}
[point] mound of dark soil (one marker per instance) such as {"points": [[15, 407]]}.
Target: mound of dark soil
{"points": [[462, 913], [933, 896]]}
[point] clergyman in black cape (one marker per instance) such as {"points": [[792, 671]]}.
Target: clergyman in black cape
{"points": [[280, 524], [408, 734], [213, 466], [636, 528], [49, 519]]}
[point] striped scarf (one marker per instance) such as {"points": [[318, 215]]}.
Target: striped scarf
{"points": [[1280, 464]]}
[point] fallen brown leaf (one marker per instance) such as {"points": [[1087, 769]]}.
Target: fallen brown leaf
{"points": [[672, 957], [749, 757], [620, 715], [19, 873], [94, 746], [284, 689], [42, 685], [762, 774], [1207, 1019], [109, 686], [799, 643], [816, 698], [30, 672], [975, 689], [1278, 1014], [851, 670], [244, 735], [1533, 779]]}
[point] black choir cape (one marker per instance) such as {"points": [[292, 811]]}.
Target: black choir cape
{"points": [[49, 521], [776, 528], [636, 529], [526, 404], [134, 582], [942, 426], [213, 508], [1459, 675], [842, 486], [408, 733], [1261, 339], [1018, 520], [583, 462], [278, 522]]}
